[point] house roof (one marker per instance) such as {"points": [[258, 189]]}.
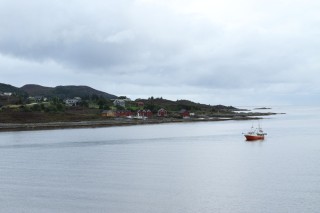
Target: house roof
{"points": [[107, 111]]}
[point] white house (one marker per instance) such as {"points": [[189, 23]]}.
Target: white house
{"points": [[7, 93], [72, 101], [40, 98], [119, 102]]}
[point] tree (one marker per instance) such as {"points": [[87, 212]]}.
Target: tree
{"points": [[84, 104], [20, 100], [60, 107], [120, 107], [56, 100]]}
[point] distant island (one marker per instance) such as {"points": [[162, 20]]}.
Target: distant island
{"points": [[39, 107], [262, 108]]}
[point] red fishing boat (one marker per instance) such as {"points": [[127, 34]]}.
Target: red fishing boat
{"points": [[255, 134]]}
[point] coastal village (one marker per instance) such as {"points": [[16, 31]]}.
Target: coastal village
{"points": [[122, 107], [34, 107], [140, 111]]}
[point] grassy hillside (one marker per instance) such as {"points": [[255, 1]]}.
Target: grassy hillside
{"points": [[80, 91], [37, 90], [41, 117]]}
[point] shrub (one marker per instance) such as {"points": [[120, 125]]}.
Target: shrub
{"points": [[36, 107]]}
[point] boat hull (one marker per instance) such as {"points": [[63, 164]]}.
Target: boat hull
{"points": [[254, 137]]}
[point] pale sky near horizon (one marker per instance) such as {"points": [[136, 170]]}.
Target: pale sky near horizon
{"points": [[232, 52]]}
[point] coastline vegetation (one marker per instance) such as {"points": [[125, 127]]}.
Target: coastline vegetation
{"points": [[19, 107]]}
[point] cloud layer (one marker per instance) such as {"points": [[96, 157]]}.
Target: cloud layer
{"points": [[231, 52]]}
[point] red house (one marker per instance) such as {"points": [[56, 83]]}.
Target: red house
{"points": [[123, 113], [140, 104], [162, 113], [184, 113], [144, 113]]}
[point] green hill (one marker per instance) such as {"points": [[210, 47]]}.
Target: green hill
{"points": [[37, 90], [156, 103], [12, 89], [64, 91]]}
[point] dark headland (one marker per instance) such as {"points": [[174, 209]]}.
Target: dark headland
{"points": [[35, 107]]}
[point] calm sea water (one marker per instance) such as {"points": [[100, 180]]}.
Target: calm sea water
{"points": [[196, 167]]}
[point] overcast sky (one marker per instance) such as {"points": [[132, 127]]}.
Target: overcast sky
{"points": [[232, 52]]}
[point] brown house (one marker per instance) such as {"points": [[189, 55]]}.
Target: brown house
{"points": [[108, 113]]}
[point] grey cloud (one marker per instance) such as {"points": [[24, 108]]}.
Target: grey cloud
{"points": [[151, 45]]}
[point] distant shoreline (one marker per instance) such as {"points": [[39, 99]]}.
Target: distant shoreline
{"points": [[10, 127]]}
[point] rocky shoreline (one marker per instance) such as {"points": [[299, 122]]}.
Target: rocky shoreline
{"points": [[6, 127]]}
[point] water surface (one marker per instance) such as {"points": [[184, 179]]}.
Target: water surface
{"points": [[193, 167]]}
